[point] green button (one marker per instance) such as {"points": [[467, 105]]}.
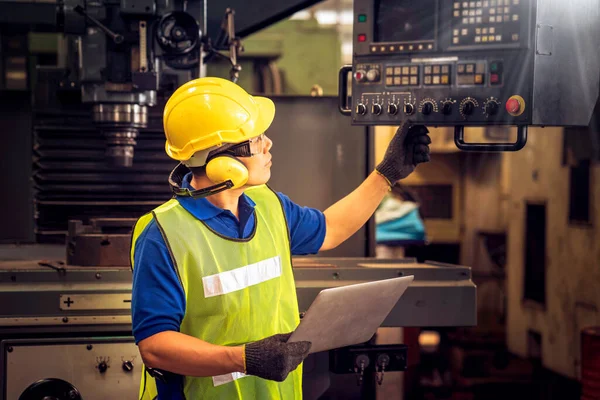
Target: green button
{"points": [[362, 18], [494, 67]]}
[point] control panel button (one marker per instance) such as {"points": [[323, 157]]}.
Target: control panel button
{"points": [[496, 72], [447, 108], [427, 108], [360, 75], [361, 109], [409, 109], [491, 107], [102, 366], [515, 105], [127, 366], [376, 109], [467, 106], [373, 75], [392, 109]]}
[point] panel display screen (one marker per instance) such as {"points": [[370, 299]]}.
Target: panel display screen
{"points": [[404, 21]]}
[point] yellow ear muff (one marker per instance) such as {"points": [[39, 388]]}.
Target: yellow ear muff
{"points": [[226, 167]]}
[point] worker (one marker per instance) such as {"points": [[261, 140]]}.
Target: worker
{"points": [[214, 298]]}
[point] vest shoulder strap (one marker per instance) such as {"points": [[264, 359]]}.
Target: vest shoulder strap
{"points": [[138, 228]]}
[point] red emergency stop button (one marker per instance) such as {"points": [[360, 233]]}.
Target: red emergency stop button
{"points": [[515, 106]]}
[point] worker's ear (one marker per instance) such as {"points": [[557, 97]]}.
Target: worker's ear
{"points": [[226, 167]]}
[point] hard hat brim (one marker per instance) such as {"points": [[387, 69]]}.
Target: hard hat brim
{"points": [[266, 114]]}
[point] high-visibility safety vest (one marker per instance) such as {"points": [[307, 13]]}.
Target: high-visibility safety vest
{"points": [[237, 291]]}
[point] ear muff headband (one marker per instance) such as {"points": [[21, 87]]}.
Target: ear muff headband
{"points": [[224, 167]]}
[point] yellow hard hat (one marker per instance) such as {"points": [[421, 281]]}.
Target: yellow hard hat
{"points": [[208, 112]]}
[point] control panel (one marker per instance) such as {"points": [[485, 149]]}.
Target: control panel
{"points": [[473, 63], [461, 91], [443, 62], [95, 368]]}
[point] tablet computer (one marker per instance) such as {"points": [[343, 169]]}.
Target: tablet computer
{"points": [[348, 315]]}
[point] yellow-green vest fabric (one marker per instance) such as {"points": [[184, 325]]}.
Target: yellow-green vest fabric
{"points": [[237, 291]]}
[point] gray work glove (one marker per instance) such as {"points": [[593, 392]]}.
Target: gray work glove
{"points": [[408, 147], [273, 358]]}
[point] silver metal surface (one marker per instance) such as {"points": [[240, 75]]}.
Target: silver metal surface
{"points": [[120, 146], [104, 242], [120, 123], [97, 93], [75, 361], [95, 302], [133, 115], [567, 62], [441, 295], [64, 321]]}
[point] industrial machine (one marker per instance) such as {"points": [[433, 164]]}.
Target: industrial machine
{"points": [[75, 321], [474, 63], [67, 297], [121, 53], [116, 54], [66, 305]]}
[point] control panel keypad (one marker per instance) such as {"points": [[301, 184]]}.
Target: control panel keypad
{"points": [[436, 74], [470, 73], [402, 75], [485, 22], [463, 73]]}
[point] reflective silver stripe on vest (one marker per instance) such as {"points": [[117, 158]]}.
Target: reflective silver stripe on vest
{"points": [[241, 278], [223, 379]]}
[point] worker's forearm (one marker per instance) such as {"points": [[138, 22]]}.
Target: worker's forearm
{"points": [[186, 355], [349, 214]]}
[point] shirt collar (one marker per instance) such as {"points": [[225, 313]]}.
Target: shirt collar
{"points": [[203, 209]]}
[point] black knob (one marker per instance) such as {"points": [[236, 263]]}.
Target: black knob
{"points": [[447, 108], [409, 109], [376, 109], [427, 108], [491, 107], [468, 107], [361, 109], [127, 366], [392, 109], [102, 366]]}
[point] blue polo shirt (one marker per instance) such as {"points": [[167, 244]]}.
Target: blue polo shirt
{"points": [[158, 300]]}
